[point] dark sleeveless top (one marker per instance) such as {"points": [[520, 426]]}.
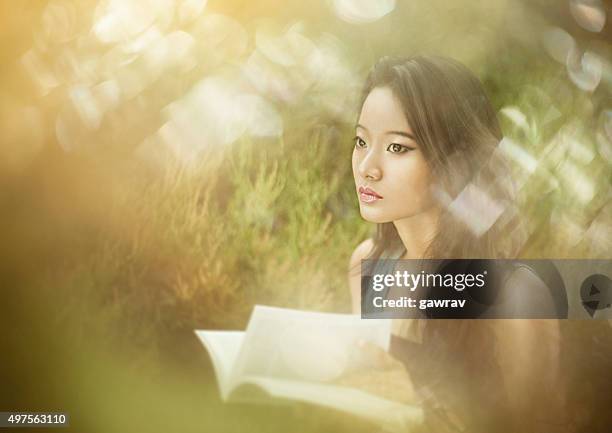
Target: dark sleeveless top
{"points": [[585, 363], [531, 289], [476, 384]]}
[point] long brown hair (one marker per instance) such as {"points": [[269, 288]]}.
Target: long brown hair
{"points": [[456, 128], [458, 132]]}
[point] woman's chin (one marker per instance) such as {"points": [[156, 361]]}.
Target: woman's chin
{"points": [[373, 217]]}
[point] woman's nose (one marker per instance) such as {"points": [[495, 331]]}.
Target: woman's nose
{"points": [[369, 167]]}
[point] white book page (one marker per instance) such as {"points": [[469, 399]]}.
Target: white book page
{"points": [[304, 345], [223, 347], [357, 402]]}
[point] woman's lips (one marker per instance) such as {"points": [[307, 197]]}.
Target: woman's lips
{"points": [[367, 195]]}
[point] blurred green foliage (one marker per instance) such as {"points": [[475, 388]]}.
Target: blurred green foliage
{"points": [[114, 258]]}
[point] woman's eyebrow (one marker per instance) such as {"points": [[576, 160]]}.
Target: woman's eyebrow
{"points": [[402, 133]]}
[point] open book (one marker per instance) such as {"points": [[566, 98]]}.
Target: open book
{"points": [[297, 355]]}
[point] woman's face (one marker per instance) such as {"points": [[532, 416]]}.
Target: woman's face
{"points": [[392, 178]]}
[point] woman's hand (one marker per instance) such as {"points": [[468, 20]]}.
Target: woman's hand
{"points": [[373, 356], [379, 373]]}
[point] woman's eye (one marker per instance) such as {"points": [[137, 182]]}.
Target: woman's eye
{"points": [[359, 142], [398, 148]]}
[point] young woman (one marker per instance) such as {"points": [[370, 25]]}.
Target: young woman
{"points": [[425, 134]]}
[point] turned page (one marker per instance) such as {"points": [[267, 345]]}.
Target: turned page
{"points": [[223, 347], [304, 345]]}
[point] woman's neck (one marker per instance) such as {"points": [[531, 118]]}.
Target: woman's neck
{"points": [[417, 232]]}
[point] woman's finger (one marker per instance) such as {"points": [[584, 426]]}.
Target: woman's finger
{"points": [[375, 357]]}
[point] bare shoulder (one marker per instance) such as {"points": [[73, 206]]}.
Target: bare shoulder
{"points": [[526, 294], [354, 272], [361, 252]]}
